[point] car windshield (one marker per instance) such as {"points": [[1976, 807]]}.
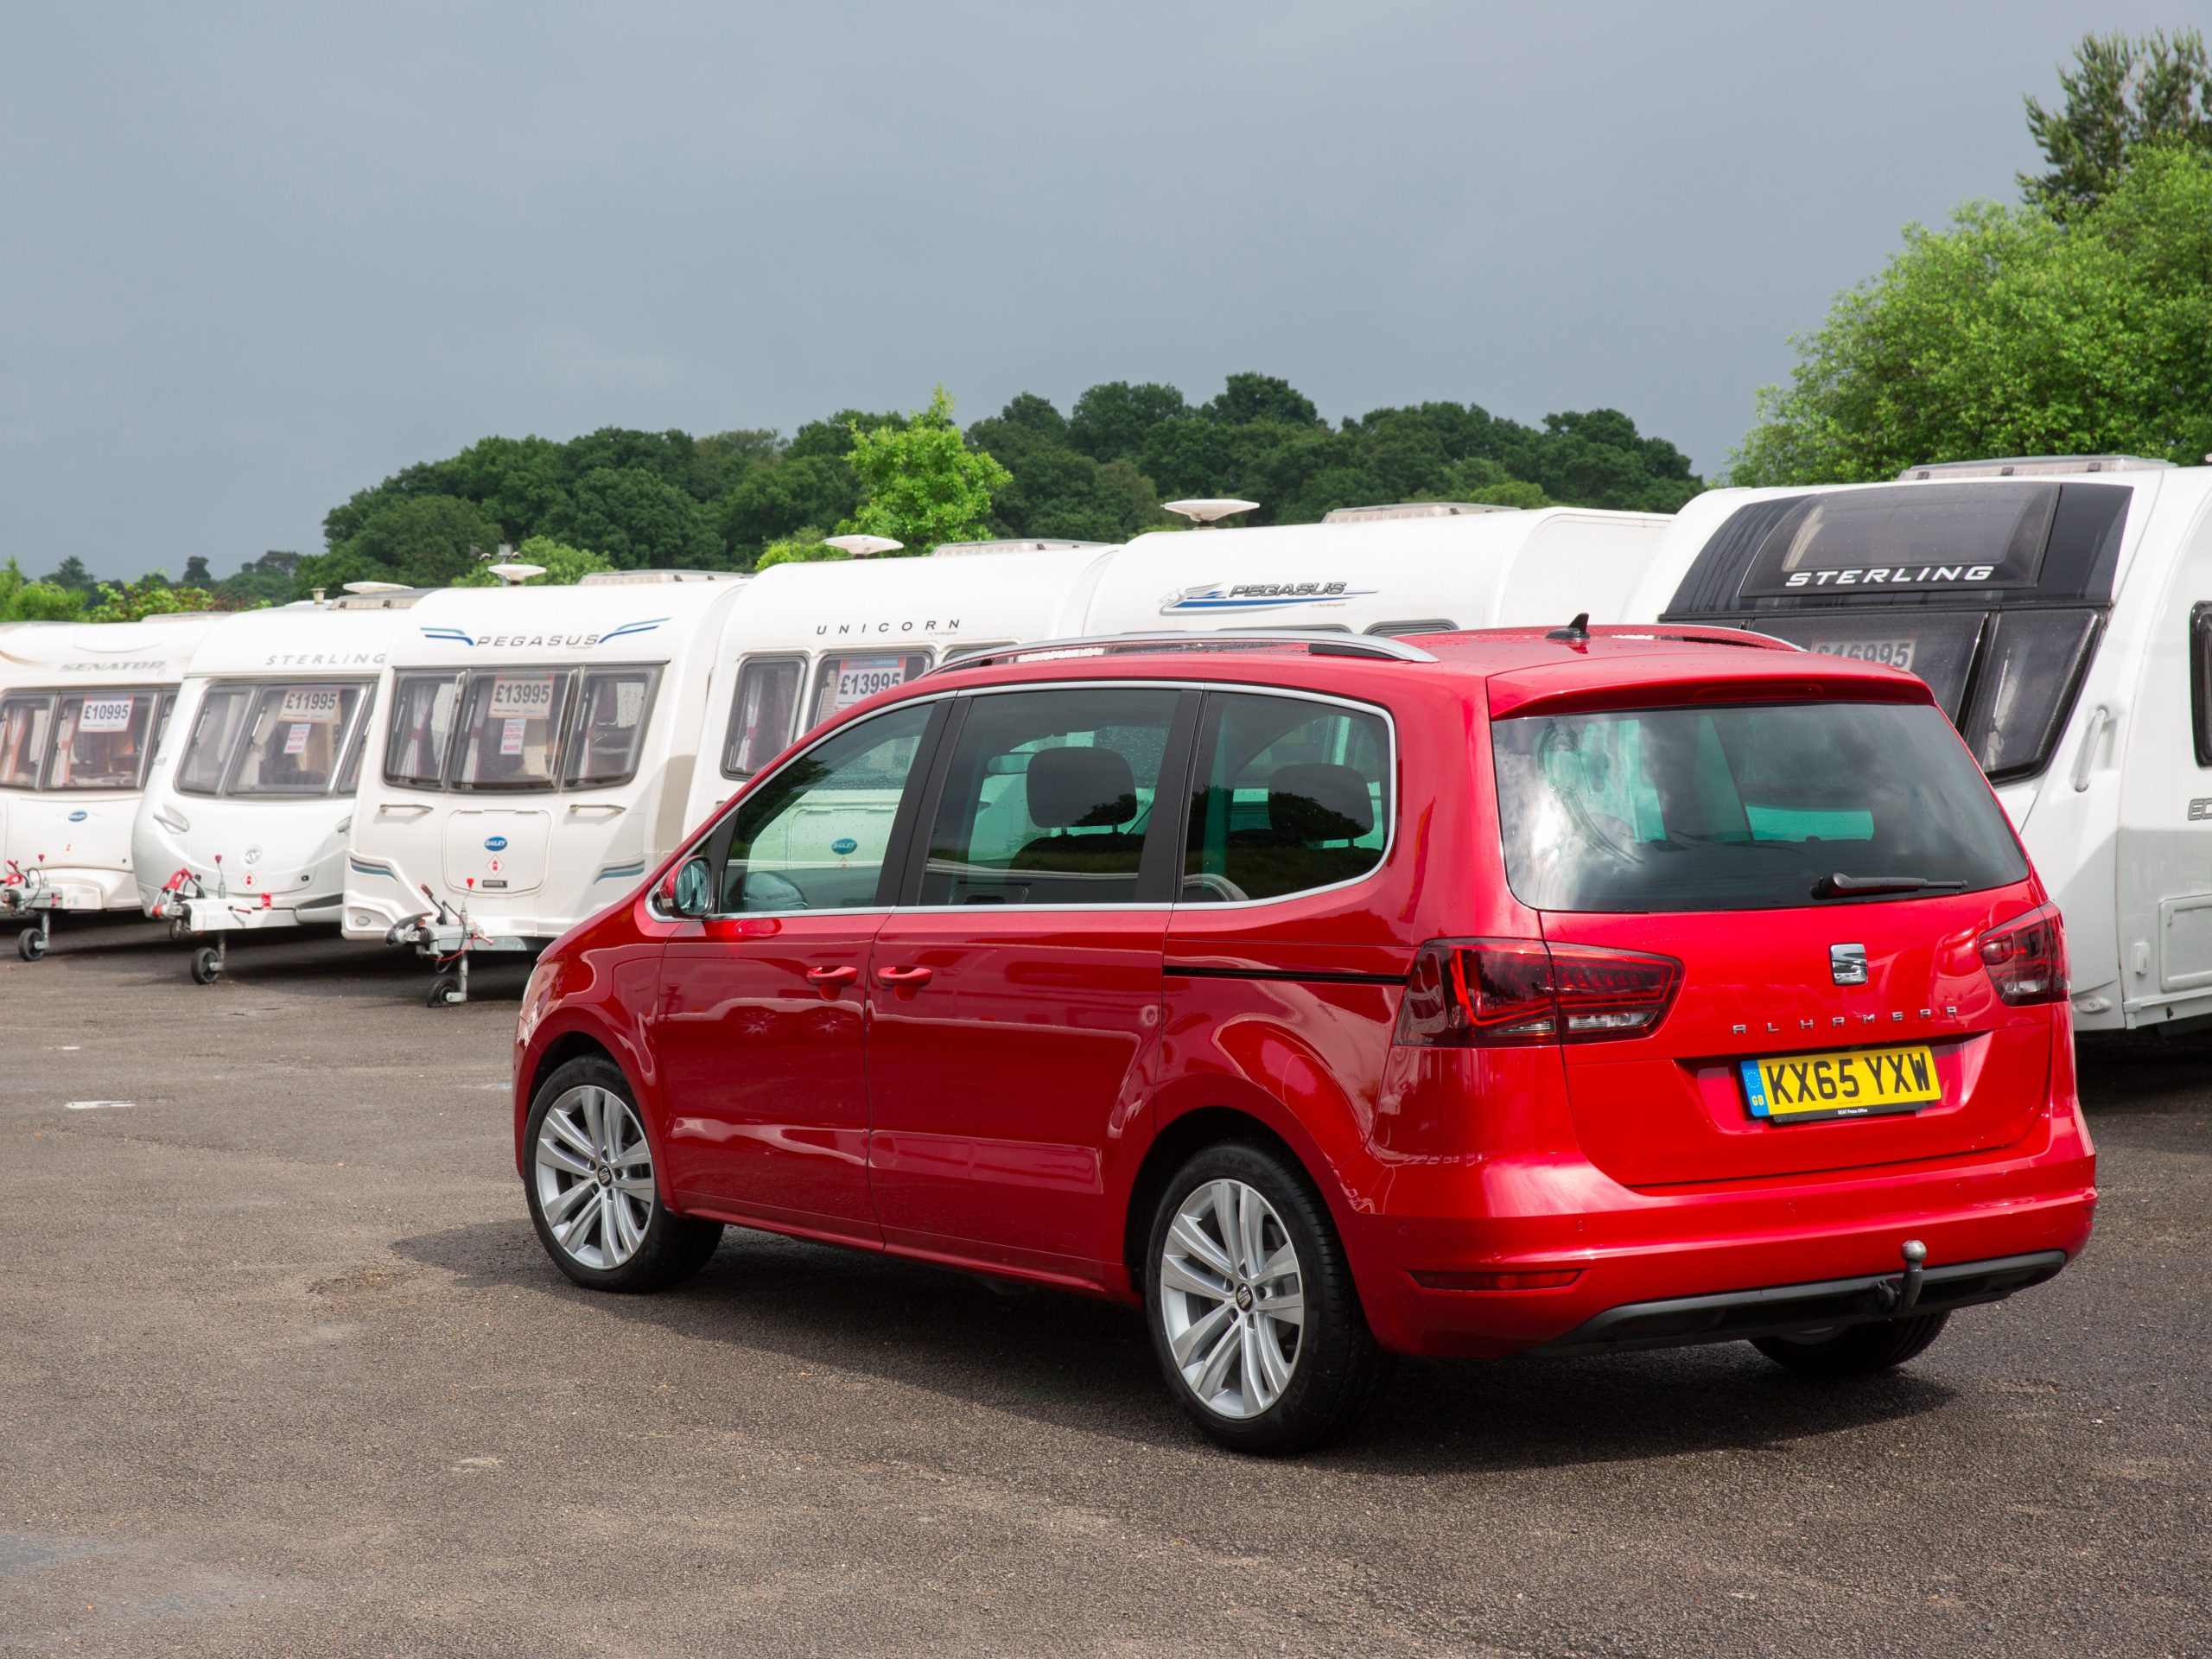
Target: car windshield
{"points": [[1742, 808]]}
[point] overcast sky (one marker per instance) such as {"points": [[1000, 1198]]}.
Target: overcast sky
{"points": [[255, 259]]}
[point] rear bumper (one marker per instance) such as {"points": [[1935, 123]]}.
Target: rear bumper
{"points": [[1676, 1256], [1736, 1315]]}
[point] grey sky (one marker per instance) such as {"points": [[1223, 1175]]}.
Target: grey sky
{"points": [[254, 258]]}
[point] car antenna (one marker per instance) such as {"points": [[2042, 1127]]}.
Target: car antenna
{"points": [[1576, 632]]}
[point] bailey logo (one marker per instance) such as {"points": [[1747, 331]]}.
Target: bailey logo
{"points": [[495, 844]]}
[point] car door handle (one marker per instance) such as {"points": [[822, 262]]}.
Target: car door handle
{"points": [[843, 976], [914, 975]]}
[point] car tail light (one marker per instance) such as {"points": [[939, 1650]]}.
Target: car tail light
{"points": [[1493, 993], [2026, 958]]}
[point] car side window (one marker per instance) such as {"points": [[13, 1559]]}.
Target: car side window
{"points": [[1289, 795], [814, 836], [1049, 798]]}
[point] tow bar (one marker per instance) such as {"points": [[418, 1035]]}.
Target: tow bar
{"points": [[25, 894], [445, 934]]}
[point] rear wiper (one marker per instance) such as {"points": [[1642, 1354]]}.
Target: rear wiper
{"points": [[1840, 886]]}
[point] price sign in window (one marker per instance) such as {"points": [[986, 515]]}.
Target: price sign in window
{"points": [[320, 704], [105, 715], [295, 739], [511, 738], [521, 696], [848, 679]]}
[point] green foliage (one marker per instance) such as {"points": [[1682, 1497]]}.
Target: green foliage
{"points": [[71, 574], [921, 483], [264, 581], [422, 541], [803, 547], [564, 566], [1111, 420], [151, 595], [2012, 334], [23, 599], [639, 520], [2123, 94]]}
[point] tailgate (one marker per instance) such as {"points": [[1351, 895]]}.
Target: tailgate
{"points": [[1673, 1107]]}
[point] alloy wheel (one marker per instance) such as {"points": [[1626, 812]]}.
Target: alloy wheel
{"points": [[1231, 1299], [595, 1176]]}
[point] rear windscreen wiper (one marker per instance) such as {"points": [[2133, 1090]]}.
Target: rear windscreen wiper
{"points": [[1840, 886]]}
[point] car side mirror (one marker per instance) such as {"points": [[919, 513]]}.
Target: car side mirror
{"points": [[691, 889]]}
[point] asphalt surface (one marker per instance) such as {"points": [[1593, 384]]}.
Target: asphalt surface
{"points": [[282, 1370]]}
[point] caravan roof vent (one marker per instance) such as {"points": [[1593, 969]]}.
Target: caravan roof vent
{"points": [[637, 578], [2034, 466], [375, 596], [1409, 510], [1202, 510], [863, 547], [964, 550]]}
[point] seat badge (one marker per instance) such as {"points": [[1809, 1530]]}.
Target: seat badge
{"points": [[1847, 963]]}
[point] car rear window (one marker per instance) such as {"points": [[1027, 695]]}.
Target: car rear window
{"points": [[1743, 807]]}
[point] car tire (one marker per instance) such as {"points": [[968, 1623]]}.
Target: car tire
{"points": [[1229, 1223], [585, 1131], [1857, 1350]]}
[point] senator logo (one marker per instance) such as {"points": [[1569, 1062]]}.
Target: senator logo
{"points": [[1259, 596], [539, 641]]}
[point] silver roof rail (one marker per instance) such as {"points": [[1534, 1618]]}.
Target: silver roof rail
{"points": [[2032, 466], [1375, 647]]}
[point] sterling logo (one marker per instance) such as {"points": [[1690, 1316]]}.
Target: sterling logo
{"points": [[1259, 596]]}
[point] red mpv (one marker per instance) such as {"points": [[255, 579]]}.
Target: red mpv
{"points": [[1337, 997]]}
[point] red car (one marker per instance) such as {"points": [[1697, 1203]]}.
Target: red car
{"points": [[1337, 997]]}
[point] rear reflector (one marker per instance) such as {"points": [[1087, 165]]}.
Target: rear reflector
{"points": [[1550, 1280], [1496, 993], [2026, 958]]}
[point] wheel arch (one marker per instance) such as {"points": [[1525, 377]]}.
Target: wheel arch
{"points": [[1177, 1143]]}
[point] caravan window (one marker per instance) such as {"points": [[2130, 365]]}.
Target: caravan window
{"points": [[760, 715], [101, 740], [215, 735], [850, 677], [2026, 688], [298, 733], [510, 731], [611, 713], [421, 725], [23, 723]]}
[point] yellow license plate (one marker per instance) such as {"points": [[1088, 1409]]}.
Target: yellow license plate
{"points": [[1847, 1083]]}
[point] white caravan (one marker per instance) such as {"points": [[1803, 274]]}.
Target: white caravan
{"points": [[82, 709], [243, 827], [1423, 567], [809, 640], [2060, 609], [535, 756]]}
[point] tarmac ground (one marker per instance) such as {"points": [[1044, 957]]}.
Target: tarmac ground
{"points": [[284, 1370]]}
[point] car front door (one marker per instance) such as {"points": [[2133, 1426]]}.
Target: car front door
{"points": [[760, 1029], [1016, 995]]}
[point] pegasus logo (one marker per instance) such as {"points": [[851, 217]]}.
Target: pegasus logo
{"points": [[540, 641], [1258, 595]]}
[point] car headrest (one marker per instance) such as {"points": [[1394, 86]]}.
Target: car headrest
{"points": [[1080, 789], [1313, 801]]}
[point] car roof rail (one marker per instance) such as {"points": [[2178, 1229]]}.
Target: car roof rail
{"points": [[1375, 647], [1710, 634]]}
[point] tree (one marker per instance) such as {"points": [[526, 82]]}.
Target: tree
{"points": [[639, 520], [424, 542], [264, 581], [23, 599], [1110, 420], [922, 485], [1250, 397], [196, 574], [563, 566], [151, 595], [2010, 333], [778, 501], [71, 574], [2123, 94]]}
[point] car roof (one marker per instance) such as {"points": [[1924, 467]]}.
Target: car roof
{"points": [[1519, 669]]}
